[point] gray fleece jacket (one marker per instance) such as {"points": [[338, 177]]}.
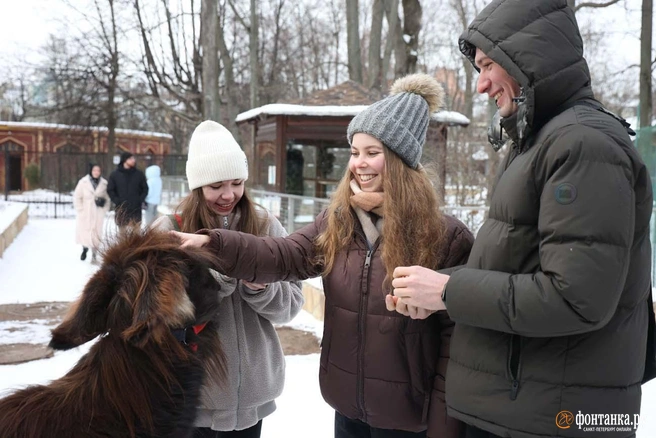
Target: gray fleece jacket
{"points": [[255, 360]]}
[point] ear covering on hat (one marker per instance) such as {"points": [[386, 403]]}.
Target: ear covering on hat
{"points": [[214, 156], [400, 120]]}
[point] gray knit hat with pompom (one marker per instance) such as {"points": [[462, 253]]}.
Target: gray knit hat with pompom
{"points": [[400, 121]]}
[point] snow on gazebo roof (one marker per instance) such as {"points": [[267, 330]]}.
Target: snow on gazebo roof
{"points": [[38, 125], [346, 99], [274, 109]]}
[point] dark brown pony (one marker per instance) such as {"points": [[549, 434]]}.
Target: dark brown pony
{"points": [[143, 376]]}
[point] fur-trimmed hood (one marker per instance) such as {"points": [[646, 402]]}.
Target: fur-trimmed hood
{"points": [[539, 44]]}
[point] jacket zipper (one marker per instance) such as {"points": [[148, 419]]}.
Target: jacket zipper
{"points": [[514, 353], [513, 365], [362, 316]]}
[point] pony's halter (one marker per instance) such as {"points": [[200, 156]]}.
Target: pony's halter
{"points": [[181, 335]]}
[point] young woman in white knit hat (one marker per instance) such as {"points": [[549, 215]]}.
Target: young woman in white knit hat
{"points": [[216, 171], [382, 370]]}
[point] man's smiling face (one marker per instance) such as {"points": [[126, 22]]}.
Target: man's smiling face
{"points": [[497, 83]]}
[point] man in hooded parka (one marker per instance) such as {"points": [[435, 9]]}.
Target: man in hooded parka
{"points": [[553, 310]]}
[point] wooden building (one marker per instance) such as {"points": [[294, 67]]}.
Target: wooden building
{"points": [[43, 145], [300, 147]]}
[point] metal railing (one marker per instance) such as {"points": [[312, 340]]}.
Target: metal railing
{"points": [[295, 211], [292, 211], [45, 204]]}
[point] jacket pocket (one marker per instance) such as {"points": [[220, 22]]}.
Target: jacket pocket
{"points": [[417, 373], [327, 337]]}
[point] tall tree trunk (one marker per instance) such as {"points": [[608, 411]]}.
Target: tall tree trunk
{"points": [[253, 48], [353, 41], [461, 8], [400, 60], [229, 76], [645, 63], [210, 74], [112, 83], [411, 26], [393, 37], [374, 78], [273, 72], [645, 137], [112, 119]]}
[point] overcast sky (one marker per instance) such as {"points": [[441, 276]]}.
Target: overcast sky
{"points": [[26, 25]]}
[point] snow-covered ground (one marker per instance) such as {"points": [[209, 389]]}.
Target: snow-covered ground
{"points": [[43, 264]]}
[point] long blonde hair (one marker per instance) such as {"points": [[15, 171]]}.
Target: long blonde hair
{"points": [[413, 227], [197, 215]]}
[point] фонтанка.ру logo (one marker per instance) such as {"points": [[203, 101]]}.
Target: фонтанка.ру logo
{"points": [[598, 422]]}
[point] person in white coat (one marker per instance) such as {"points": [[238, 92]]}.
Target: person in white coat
{"points": [[91, 203]]}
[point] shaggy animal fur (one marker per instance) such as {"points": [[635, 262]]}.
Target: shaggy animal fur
{"points": [[137, 380]]}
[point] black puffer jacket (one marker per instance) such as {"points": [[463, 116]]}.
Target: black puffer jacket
{"points": [[552, 308], [128, 189]]}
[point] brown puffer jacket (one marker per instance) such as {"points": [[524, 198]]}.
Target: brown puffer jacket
{"points": [[377, 366]]}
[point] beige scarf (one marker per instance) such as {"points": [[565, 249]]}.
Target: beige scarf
{"points": [[364, 204]]}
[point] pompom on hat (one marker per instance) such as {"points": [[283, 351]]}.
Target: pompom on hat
{"points": [[400, 120], [214, 156]]}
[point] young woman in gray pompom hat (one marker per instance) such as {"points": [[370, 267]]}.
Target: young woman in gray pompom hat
{"points": [[216, 171], [382, 363]]}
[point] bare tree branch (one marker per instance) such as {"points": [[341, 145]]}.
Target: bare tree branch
{"points": [[238, 16], [594, 5]]}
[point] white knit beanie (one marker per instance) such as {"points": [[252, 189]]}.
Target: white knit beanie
{"points": [[214, 156]]}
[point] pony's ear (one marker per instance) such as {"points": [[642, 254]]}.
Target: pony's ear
{"points": [[87, 318], [160, 304]]}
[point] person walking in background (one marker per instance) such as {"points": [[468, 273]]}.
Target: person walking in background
{"points": [[554, 314], [154, 192], [217, 171], [127, 187], [91, 203], [382, 372]]}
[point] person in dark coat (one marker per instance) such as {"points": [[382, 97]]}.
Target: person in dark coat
{"points": [[553, 311], [127, 187], [381, 371]]}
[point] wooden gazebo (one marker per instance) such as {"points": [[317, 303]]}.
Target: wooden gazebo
{"points": [[300, 147]]}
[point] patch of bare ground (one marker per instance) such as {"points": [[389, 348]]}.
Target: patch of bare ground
{"points": [[51, 313]]}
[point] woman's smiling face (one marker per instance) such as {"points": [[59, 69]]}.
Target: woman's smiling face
{"points": [[367, 162], [223, 196]]}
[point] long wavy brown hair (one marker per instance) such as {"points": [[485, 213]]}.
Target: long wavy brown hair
{"points": [[413, 227], [196, 215]]}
